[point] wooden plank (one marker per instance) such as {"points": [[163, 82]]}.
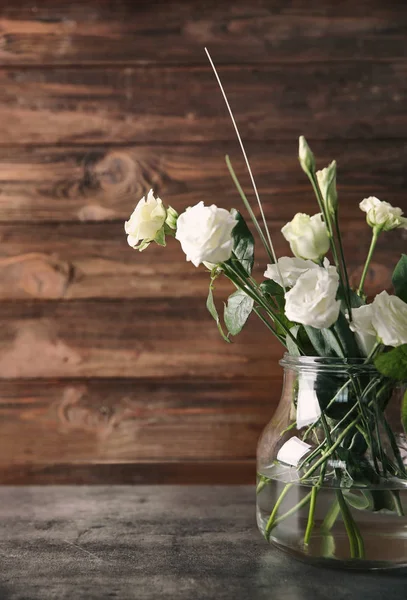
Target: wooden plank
{"points": [[93, 260], [113, 422], [141, 32], [78, 105], [103, 184], [228, 472], [162, 338]]}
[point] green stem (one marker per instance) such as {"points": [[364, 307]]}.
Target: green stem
{"points": [[327, 219], [262, 484], [257, 296], [375, 237], [249, 208], [338, 340], [345, 270], [311, 514], [355, 540], [331, 517], [269, 326], [331, 450], [393, 444], [270, 522], [290, 512], [320, 448]]}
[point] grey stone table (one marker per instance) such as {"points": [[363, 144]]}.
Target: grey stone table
{"points": [[157, 542]]}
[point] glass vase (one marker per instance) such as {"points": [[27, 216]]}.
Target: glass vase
{"points": [[332, 466]]}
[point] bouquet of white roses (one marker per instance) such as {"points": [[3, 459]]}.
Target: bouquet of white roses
{"points": [[308, 304]]}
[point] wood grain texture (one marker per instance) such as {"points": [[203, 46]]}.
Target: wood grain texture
{"points": [[159, 338], [110, 366], [92, 260], [128, 421], [92, 105], [212, 472], [99, 183], [140, 32]]}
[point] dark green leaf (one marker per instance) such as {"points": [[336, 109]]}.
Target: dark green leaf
{"points": [[243, 243], [237, 311], [346, 337], [324, 342], [291, 346], [355, 300], [380, 499], [400, 278], [210, 305], [393, 363], [274, 290], [404, 412]]}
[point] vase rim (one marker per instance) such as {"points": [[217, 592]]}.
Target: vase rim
{"points": [[326, 363]]}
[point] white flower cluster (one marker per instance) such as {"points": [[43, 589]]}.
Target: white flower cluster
{"points": [[384, 321], [312, 299], [205, 235], [204, 232], [382, 215]]}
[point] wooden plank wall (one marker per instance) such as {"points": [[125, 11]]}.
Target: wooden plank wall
{"points": [[111, 369]]}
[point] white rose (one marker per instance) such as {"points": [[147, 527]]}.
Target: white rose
{"points": [[382, 215], [146, 221], [385, 319], [390, 319], [312, 300], [205, 234], [362, 326], [308, 236], [290, 269]]}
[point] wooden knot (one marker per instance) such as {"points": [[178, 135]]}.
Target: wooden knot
{"points": [[35, 275], [76, 411], [116, 170]]}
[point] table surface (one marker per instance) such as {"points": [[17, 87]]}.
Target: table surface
{"points": [[157, 542]]}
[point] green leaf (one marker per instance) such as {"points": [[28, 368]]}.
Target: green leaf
{"points": [[358, 500], [400, 278], [355, 300], [243, 243], [404, 412], [276, 292], [346, 337], [273, 289], [324, 342], [210, 305], [291, 346], [300, 334], [393, 363], [160, 237], [237, 311]]}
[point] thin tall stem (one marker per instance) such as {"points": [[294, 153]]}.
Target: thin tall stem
{"points": [[341, 267], [345, 270], [248, 207], [247, 165], [373, 243]]}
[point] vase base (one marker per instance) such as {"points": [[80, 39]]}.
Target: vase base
{"points": [[340, 564]]}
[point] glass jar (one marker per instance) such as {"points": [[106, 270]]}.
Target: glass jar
{"points": [[332, 466]]}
